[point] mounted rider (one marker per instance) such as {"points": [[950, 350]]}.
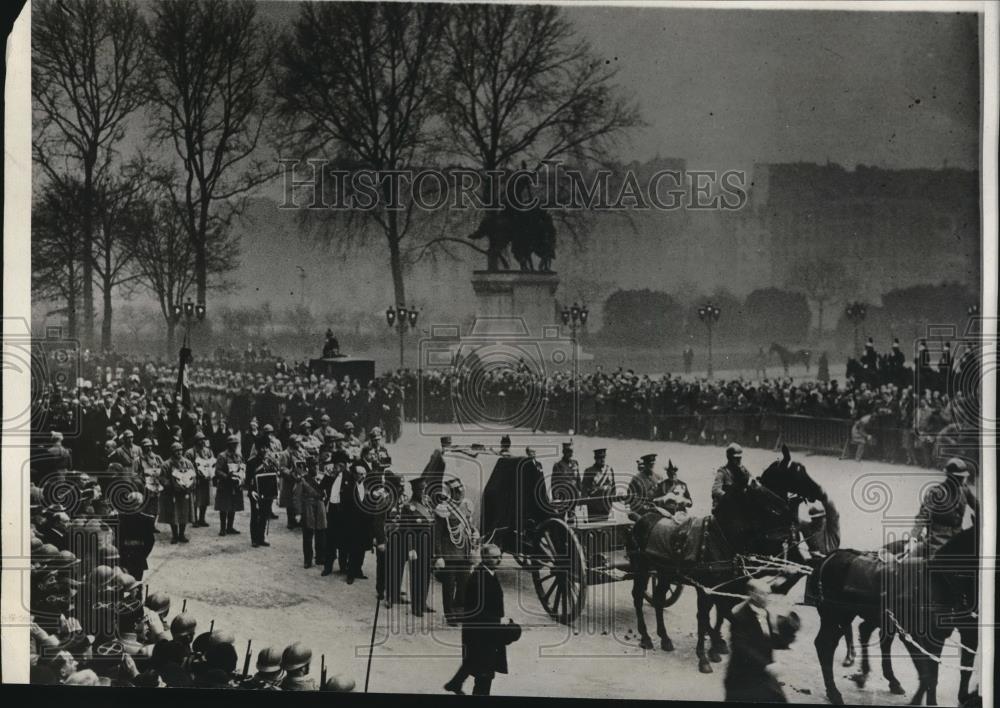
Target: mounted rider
{"points": [[942, 509], [733, 476]]}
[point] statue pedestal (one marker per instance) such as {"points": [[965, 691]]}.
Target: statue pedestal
{"points": [[508, 296]]}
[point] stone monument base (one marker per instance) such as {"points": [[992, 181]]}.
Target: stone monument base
{"points": [[510, 295]]}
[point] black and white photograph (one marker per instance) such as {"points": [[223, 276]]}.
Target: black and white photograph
{"points": [[588, 350]]}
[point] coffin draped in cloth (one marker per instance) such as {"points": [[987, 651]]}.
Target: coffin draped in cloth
{"points": [[675, 539]]}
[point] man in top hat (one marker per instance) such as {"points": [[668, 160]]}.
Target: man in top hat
{"points": [[598, 481], [644, 485], [203, 459], [335, 464], [433, 473], [942, 509], [295, 661], [732, 476], [675, 497], [179, 479], [230, 473], [504, 446], [897, 360], [565, 480], [869, 359]]}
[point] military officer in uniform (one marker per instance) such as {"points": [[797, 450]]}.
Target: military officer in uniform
{"points": [[290, 462], [416, 524], [179, 479], [565, 480], [598, 481], [261, 485], [203, 459], [230, 472], [733, 476], [644, 486], [454, 542], [269, 674], [310, 500], [149, 466], [942, 509], [135, 535], [374, 454]]}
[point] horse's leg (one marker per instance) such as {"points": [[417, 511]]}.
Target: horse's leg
{"points": [[885, 646], [704, 623], [830, 631], [718, 646], [969, 638], [639, 583], [919, 661], [659, 600], [849, 644], [865, 630]]}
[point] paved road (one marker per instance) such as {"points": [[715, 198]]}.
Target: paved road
{"points": [[266, 595]]}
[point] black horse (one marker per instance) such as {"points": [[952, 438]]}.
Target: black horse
{"points": [[789, 357], [938, 596], [761, 519]]}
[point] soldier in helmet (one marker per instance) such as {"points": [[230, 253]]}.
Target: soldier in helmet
{"points": [[203, 459], [732, 476], [295, 661], [269, 672], [179, 480], [942, 510], [230, 473]]}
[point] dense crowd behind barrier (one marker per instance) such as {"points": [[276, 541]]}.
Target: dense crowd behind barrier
{"points": [[877, 407]]}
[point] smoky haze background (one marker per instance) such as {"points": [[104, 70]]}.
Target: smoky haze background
{"points": [[717, 89]]}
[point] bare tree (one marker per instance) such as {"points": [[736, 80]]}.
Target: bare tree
{"points": [[520, 87], [164, 257], [119, 222], [56, 247], [823, 281], [85, 81], [356, 80], [210, 61]]}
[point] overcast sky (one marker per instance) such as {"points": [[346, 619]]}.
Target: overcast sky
{"points": [[725, 88]]}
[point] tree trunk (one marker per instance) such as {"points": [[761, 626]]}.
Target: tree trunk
{"points": [[396, 264], [171, 338], [71, 323], [106, 323], [87, 248]]}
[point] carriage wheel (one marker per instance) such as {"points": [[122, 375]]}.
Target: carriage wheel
{"points": [[559, 570]]}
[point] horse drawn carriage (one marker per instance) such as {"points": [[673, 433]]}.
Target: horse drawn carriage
{"points": [[564, 552]]}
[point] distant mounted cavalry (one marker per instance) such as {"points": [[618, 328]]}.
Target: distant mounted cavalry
{"points": [[789, 356]]}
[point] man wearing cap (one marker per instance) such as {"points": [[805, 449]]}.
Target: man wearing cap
{"points": [[127, 452], [290, 465], [351, 442], [565, 480], [230, 472], [644, 485], [942, 509], [454, 540], [203, 459], [732, 476], [598, 481], [269, 674], [179, 479], [295, 663], [375, 455], [324, 430], [261, 484]]}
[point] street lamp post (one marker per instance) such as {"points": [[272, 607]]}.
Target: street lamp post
{"points": [[188, 311], [575, 318], [709, 314], [856, 313], [403, 319]]}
